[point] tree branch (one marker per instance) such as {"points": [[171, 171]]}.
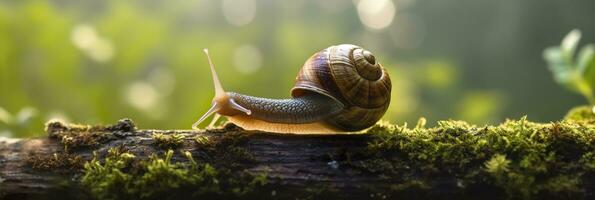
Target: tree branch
{"points": [[390, 161]]}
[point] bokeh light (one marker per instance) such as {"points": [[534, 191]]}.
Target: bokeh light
{"points": [[86, 39], [247, 59], [142, 95], [376, 14], [5, 117], [408, 31], [239, 12]]}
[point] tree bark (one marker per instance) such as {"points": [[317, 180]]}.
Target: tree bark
{"points": [[336, 166], [292, 163]]}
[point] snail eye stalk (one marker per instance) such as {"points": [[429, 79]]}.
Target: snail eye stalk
{"points": [[219, 92], [237, 106], [219, 95]]}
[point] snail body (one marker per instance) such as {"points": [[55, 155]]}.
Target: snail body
{"points": [[339, 89]]}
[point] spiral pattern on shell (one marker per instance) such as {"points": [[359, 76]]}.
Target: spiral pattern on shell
{"points": [[352, 76]]}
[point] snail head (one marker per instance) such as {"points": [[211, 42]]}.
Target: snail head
{"points": [[222, 103]]}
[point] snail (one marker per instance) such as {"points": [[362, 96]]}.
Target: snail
{"points": [[342, 88]]}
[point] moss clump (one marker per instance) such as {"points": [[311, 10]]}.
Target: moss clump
{"points": [[75, 135], [168, 141], [159, 177], [581, 113], [517, 159], [87, 137], [411, 188], [58, 161], [202, 140], [108, 178], [228, 149], [239, 153], [497, 165], [521, 159]]}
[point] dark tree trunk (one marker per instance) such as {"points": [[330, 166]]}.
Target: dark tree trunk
{"points": [[339, 166], [292, 163]]}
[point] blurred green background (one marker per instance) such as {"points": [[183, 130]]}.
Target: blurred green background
{"points": [[99, 61]]}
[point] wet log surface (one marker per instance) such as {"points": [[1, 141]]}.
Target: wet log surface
{"points": [[296, 166], [292, 163]]}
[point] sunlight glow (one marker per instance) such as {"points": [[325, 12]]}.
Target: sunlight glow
{"points": [[247, 58], [5, 116], [141, 95], [25, 115], [163, 80], [408, 31], [376, 14], [57, 115], [239, 12], [5, 134], [86, 39]]}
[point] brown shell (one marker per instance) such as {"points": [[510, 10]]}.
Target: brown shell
{"points": [[351, 75]]}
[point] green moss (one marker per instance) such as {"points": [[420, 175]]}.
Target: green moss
{"points": [[228, 148], [76, 135], [168, 141], [109, 179], [239, 153], [57, 161], [516, 159], [581, 113], [521, 158], [377, 165], [497, 165], [159, 177], [80, 138], [410, 186], [202, 140]]}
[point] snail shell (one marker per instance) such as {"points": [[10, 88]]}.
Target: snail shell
{"points": [[352, 76]]}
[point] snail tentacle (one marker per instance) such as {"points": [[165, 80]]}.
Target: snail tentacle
{"points": [[237, 106], [222, 103], [214, 108], [219, 91]]}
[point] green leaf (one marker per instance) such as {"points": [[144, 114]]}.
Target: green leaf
{"points": [[586, 65], [569, 44], [586, 58], [579, 75], [561, 70]]}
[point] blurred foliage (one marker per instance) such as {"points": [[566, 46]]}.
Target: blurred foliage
{"points": [[575, 72], [99, 61]]}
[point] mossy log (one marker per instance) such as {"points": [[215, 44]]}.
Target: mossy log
{"points": [[517, 159]]}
